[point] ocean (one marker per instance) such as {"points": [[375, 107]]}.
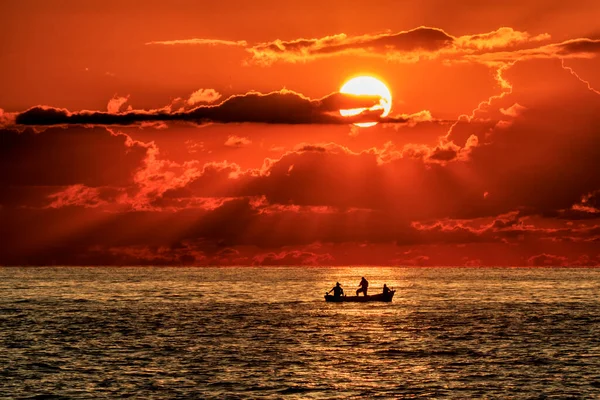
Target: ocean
{"points": [[267, 333]]}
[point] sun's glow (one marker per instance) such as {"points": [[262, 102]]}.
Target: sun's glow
{"points": [[367, 85]]}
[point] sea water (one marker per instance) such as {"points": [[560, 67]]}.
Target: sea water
{"points": [[250, 332]]}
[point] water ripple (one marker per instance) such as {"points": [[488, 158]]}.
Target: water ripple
{"points": [[187, 333]]}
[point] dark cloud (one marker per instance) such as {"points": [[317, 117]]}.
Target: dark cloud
{"points": [[283, 107], [578, 46], [581, 48], [55, 157], [444, 153]]}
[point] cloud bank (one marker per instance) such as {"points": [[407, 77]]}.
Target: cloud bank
{"points": [[505, 44], [282, 107]]}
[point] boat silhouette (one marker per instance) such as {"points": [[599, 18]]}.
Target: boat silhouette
{"points": [[386, 297]]}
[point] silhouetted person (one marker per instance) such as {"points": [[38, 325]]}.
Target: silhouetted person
{"points": [[386, 289], [337, 290], [364, 285]]}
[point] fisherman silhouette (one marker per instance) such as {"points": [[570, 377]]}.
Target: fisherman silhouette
{"points": [[337, 290], [386, 289], [364, 285]]}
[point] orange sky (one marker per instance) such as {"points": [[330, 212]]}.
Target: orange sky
{"points": [[122, 143]]}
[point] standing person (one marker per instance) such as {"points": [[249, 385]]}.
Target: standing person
{"points": [[363, 285], [337, 290], [386, 289]]}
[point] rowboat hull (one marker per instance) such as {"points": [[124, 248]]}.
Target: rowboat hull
{"points": [[361, 299]]}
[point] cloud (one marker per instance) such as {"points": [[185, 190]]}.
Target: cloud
{"points": [[294, 257], [446, 152], [547, 260], [503, 45], [513, 111], [541, 162], [405, 46], [504, 37], [195, 41], [115, 104], [82, 196], [534, 172], [588, 207], [6, 119], [59, 157], [421, 40], [281, 107], [447, 180], [592, 200], [237, 223], [531, 165], [417, 261], [204, 96], [581, 48], [236, 141]]}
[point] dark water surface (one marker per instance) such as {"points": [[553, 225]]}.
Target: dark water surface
{"points": [[196, 333]]}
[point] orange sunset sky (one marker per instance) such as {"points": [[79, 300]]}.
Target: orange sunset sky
{"points": [[208, 133]]}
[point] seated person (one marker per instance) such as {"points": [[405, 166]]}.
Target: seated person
{"points": [[337, 290]]}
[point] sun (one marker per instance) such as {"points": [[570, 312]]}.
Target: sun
{"points": [[367, 85]]}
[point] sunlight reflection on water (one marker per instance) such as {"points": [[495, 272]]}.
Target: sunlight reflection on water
{"points": [[267, 332]]}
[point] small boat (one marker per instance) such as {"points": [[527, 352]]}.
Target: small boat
{"points": [[387, 297]]}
